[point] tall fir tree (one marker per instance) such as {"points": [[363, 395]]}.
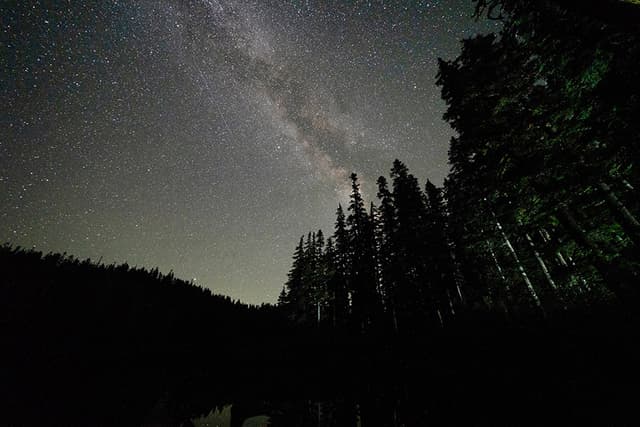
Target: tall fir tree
{"points": [[341, 263], [390, 276], [442, 258], [295, 291], [362, 278], [416, 305]]}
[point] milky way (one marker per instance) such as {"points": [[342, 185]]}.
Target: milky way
{"points": [[206, 136]]}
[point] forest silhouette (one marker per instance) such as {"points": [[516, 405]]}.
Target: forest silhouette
{"points": [[508, 296]]}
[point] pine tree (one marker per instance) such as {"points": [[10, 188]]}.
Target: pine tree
{"points": [[387, 256], [362, 279], [416, 306], [340, 260], [541, 137], [442, 259], [319, 278], [295, 292]]}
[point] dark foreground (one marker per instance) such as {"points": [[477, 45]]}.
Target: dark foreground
{"points": [[104, 345]]}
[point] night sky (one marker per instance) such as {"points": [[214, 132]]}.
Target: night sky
{"points": [[206, 136]]}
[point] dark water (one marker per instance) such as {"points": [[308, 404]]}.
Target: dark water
{"points": [[513, 385], [484, 378]]}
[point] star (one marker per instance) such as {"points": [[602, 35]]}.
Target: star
{"points": [[205, 137]]}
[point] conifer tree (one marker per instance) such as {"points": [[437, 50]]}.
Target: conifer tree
{"points": [[414, 294], [442, 264], [319, 278], [362, 279], [340, 260], [295, 292], [542, 137], [387, 256]]}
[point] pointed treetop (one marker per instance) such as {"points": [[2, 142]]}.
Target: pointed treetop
{"points": [[319, 241], [399, 169], [282, 298], [383, 191], [433, 195], [429, 186], [299, 247], [358, 216], [382, 182], [329, 245]]}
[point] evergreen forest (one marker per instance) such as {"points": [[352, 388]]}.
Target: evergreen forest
{"points": [[538, 216]]}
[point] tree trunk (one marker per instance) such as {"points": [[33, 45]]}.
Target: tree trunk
{"points": [[395, 319], [616, 279], [578, 234], [507, 292], [502, 276], [541, 262], [627, 184], [440, 317], [455, 272], [497, 264], [450, 301], [561, 259], [577, 276], [521, 269], [629, 223]]}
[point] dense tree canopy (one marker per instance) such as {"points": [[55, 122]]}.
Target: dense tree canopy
{"points": [[391, 268], [539, 211]]}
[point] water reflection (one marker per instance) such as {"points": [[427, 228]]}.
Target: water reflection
{"points": [[215, 418], [221, 417], [374, 409], [512, 380]]}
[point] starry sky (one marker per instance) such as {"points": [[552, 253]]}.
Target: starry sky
{"points": [[206, 136]]}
